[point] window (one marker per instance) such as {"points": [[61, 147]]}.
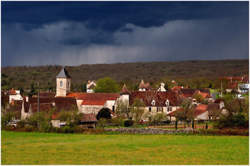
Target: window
{"points": [[149, 109], [153, 102], [61, 83], [169, 109], [167, 102], [159, 109]]}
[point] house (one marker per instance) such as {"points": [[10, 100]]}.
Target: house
{"points": [[200, 112], [88, 120], [15, 106], [92, 103], [90, 86], [144, 86], [14, 95], [243, 87], [30, 106], [162, 88], [239, 83], [156, 102]]}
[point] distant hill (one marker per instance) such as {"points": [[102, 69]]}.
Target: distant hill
{"points": [[124, 72]]}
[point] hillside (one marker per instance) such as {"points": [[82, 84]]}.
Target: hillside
{"points": [[22, 77]]}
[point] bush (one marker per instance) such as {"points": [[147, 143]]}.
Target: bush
{"points": [[237, 120], [21, 124], [102, 122], [67, 129], [128, 123], [29, 128], [117, 121], [45, 127], [167, 121], [77, 129], [6, 118]]}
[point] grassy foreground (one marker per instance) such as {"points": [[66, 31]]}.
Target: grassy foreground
{"points": [[52, 148]]}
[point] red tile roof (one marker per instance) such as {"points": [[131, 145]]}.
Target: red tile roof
{"points": [[12, 92], [93, 102], [203, 94], [16, 106], [65, 104], [232, 85], [143, 85], [159, 97], [46, 94], [200, 109], [94, 98], [43, 107], [187, 92], [88, 118], [124, 90], [176, 88]]}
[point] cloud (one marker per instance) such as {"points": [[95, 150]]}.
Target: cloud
{"points": [[74, 43]]}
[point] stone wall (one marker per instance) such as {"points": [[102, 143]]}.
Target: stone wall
{"points": [[149, 131]]}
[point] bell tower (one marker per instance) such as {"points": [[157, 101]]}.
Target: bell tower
{"points": [[63, 83]]}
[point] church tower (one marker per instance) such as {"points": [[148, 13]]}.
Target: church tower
{"points": [[63, 83]]}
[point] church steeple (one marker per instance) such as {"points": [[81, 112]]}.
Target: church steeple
{"points": [[63, 74], [63, 83]]}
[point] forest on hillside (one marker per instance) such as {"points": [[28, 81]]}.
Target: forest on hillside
{"points": [[196, 74]]}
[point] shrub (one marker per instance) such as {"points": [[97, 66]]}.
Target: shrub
{"points": [[102, 122], [77, 129], [237, 120], [29, 128], [7, 117], [45, 126], [21, 124], [67, 129], [128, 123], [117, 121], [167, 121]]}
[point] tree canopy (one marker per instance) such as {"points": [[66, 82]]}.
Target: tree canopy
{"points": [[106, 85]]}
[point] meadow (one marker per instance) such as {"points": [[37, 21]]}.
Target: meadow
{"points": [[54, 148]]}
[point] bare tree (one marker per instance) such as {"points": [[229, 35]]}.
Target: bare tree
{"points": [[122, 109], [137, 109]]}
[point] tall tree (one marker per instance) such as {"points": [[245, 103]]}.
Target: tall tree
{"points": [[186, 112], [122, 109], [106, 85], [137, 109]]}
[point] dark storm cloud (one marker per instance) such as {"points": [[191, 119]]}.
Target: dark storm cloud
{"points": [[73, 33]]}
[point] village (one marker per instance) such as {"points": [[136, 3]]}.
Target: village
{"points": [[178, 105]]}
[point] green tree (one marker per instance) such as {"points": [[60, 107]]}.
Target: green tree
{"points": [[237, 114], [159, 117], [186, 113], [32, 90], [106, 85], [83, 87], [199, 98], [102, 123], [6, 117], [70, 117]]}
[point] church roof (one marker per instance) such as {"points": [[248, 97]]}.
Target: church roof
{"points": [[125, 90], [63, 74]]}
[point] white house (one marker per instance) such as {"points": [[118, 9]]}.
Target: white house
{"points": [[14, 95]]}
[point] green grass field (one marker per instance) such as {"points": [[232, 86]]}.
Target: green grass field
{"points": [[52, 148]]}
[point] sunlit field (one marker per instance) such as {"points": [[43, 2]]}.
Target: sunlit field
{"points": [[53, 148]]}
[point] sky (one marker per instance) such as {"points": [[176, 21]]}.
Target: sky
{"points": [[75, 33]]}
